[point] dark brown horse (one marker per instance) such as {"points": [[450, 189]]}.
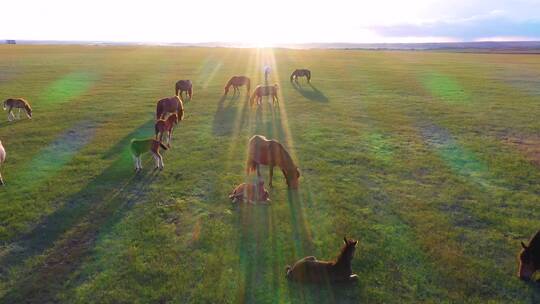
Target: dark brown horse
{"points": [[17, 103], [301, 73], [271, 153], [170, 105], [184, 86], [163, 126], [309, 269], [238, 81], [261, 91], [529, 258]]}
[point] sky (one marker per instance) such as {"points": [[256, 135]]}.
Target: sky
{"points": [[257, 22]]}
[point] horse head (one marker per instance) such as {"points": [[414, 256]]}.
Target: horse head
{"points": [[526, 263], [292, 177], [347, 251]]}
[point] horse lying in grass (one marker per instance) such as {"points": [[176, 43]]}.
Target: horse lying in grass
{"points": [[17, 103], [301, 73], [170, 105], [250, 192], [309, 269], [184, 86], [166, 125], [262, 151], [261, 91], [140, 146], [238, 81], [529, 258], [2, 159]]}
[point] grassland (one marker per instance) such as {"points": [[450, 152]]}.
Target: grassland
{"points": [[427, 158]]}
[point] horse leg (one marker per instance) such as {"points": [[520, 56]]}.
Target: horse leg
{"points": [[258, 171], [19, 114], [1, 180], [271, 175], [10, 114]]}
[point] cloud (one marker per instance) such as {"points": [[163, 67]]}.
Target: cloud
{"points": [[494, 24]]}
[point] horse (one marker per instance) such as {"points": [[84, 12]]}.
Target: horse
{"points": [[18, 103], [140, 146], [170, 105], [271, 153], [2, 159], [529, 258], [261, 91], [184, 86], [166, 125], [238, 81], [301, 73], [309, 269], [250, 192]]}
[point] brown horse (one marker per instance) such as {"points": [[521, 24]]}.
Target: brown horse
{"points": [[17, 103], [261, 91], [170, 105], [301, 73], [271, 153], [238, 81], [250, 192], [166, 125], [184, 86], [529, 258], [309, 269], [2, 159]]}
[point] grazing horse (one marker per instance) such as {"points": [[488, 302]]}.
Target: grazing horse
{"points": [[166, 125], [301, 73], [238, 81], [184, 86], [529, 258], [271, 153], [140, 146], [261, 91], [18, 103], [2, 159], [170, 105], [309, 269], [250, 192]]}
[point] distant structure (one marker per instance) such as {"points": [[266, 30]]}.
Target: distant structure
{"points": [[11, 42]]}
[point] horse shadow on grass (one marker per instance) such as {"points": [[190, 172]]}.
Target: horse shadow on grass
{"points": [[312, 94], [68, 235], [225, 118]]}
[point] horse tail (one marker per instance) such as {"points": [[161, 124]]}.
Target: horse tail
{"points": [[158, 110], [308, 76], [248, 84], [176, 89], [5, 102], [190, 91], [292, 75]]}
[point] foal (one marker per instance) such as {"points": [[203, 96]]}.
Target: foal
{"points": [[17, 103], [309, 269], [166, 125], [2, 159], [140, 146]]}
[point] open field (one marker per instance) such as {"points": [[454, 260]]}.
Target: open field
{"points": [[431, 160]]}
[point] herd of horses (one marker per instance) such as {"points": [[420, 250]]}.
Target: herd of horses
{"points": [[261, 151]]}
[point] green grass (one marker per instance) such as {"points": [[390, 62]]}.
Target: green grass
{"points": [[404, 151]]}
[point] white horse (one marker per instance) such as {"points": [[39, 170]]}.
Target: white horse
{"points": [[2, 159]]}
